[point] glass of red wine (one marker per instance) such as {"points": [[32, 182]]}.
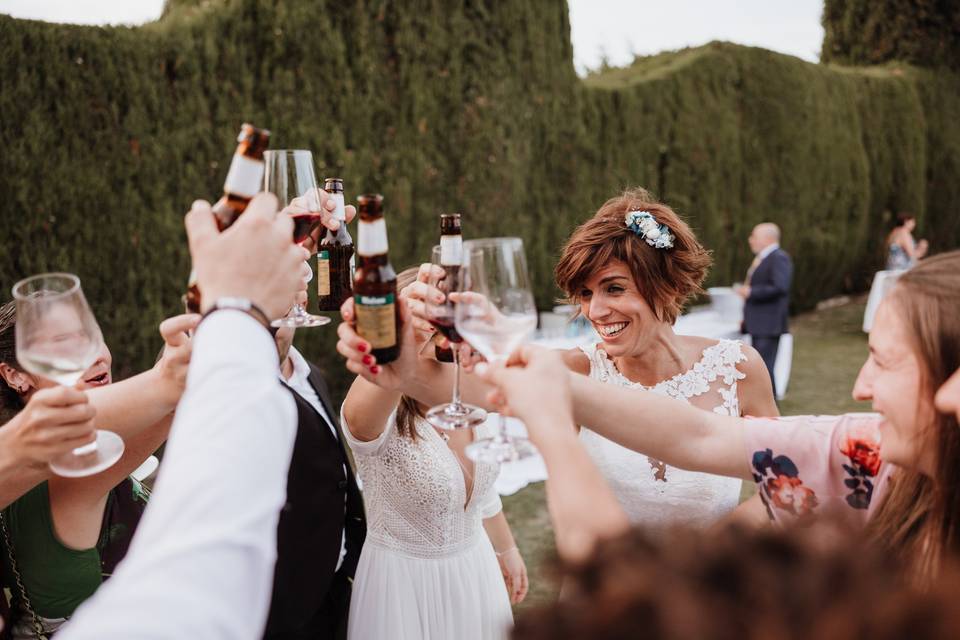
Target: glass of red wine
{"points": [[454, 414], [290, 176]]}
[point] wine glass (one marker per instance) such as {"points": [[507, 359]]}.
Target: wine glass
{"points": [[58, 339], [290, 176], [454, 414], [495, 313]]}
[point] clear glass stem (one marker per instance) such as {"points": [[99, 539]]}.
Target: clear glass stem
{"points": [[456, 376], [500, 436]]}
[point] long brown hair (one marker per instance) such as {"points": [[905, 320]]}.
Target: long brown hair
{"points": [[666, 278], [919, 518], [408, 410], [10, 401]]}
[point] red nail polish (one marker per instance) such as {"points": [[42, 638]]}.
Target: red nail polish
{"points": [[362, 348], [375, 369], [368, 360]]}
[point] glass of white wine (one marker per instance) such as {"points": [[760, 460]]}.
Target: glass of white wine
{"points": [[58, 339], [495, 313]]}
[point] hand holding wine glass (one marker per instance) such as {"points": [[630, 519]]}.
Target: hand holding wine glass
{"points": [[54, 422], [290, 176], [495, 313], [328, 220], [442, 284], [58, 339]]}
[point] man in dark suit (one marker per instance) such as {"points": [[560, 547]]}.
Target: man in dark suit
{"points": [[322, 525], [766, 293]]}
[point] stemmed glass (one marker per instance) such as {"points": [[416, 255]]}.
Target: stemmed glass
{"points": [[454, 414], [495, 313], [58, 339], [290, 176]]}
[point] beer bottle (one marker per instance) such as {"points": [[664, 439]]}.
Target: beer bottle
{"points": [[375, 283], [244, 180], [451, 257], [334, 277]]}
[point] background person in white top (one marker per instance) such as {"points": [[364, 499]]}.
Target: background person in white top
{"points": [[201, 563]]}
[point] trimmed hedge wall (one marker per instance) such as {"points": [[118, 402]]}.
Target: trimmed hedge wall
{"points": [[922, 32], [112, 132]]}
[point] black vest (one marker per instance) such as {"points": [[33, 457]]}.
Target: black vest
{"points": [[311, 522]]}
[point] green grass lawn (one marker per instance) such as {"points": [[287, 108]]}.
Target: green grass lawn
{"points": [[829, 349]]}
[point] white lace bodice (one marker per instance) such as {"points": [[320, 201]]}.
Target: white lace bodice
{"points": [[650, 492], [415, 494]]}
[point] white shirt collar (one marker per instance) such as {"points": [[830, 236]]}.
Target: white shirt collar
{"points": [[301, 370], [763, 254]]}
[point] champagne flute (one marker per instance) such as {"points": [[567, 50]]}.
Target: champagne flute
{"points": [[454, 414], [290, 176], [58, 339], [495, 313]]}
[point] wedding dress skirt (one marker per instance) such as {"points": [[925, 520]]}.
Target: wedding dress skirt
{"points": [[461, 596], [427, 570]]}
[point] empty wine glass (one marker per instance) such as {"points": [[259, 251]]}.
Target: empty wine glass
{"points": [[495, 313], [58, 339], [290, 176], [454, 414]]}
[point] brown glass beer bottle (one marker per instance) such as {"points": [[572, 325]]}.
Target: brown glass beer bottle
{"points": [[334, 279], [375, 283], [244, 180], [451, 257]]}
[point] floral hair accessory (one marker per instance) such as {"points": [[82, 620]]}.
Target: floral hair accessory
{"points": [[645, 225]]}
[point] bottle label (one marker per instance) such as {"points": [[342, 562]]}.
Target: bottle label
{"points": [[451, 250], [372, 238], [376, 320], [245, 177], [323, 273], [340, 213]]}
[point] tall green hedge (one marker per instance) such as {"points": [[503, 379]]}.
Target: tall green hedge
{"points": [[473, 106], [922, 32]]}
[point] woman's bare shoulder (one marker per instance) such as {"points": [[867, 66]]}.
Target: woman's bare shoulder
{"points": [[577, 361]]}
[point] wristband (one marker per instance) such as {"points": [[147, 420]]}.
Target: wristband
{"points": [[239, 304]]}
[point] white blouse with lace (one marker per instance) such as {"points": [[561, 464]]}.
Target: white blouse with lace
{"points": [[427, 569], [651, 492]]}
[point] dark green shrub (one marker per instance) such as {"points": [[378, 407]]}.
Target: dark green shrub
{"points": [[111, 133]]}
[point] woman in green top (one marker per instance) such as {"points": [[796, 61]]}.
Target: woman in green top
{"points": [[65, 534]]}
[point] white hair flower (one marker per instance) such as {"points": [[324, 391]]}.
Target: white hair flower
{"points": [[646, 226]]}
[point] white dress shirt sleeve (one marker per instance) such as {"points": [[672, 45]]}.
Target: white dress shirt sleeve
{"points": [[201, 562]]}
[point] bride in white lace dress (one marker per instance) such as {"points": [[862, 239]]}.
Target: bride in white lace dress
{"points": [[438, 549], [632, 287]]}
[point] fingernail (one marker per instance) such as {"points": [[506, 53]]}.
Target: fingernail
{"points": [[362, 348], [375, 369], [368, 360]]}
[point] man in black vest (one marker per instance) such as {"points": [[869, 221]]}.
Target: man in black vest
{"points": [[766, 293], [322, 525]]}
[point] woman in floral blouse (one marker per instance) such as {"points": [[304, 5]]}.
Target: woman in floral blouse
{"points": [[905, 489]]}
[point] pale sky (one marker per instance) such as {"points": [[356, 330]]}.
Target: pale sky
{"points": [[618, 29]]}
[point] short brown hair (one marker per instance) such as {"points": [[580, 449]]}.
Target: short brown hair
{"points": [[666, 278], [743, 584]]}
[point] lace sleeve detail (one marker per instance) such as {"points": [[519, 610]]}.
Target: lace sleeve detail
{"points": [[600, 364], [372, 447], [491, 504]]}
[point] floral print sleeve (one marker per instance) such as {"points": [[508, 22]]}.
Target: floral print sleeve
{"points": [[805, 464]]}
